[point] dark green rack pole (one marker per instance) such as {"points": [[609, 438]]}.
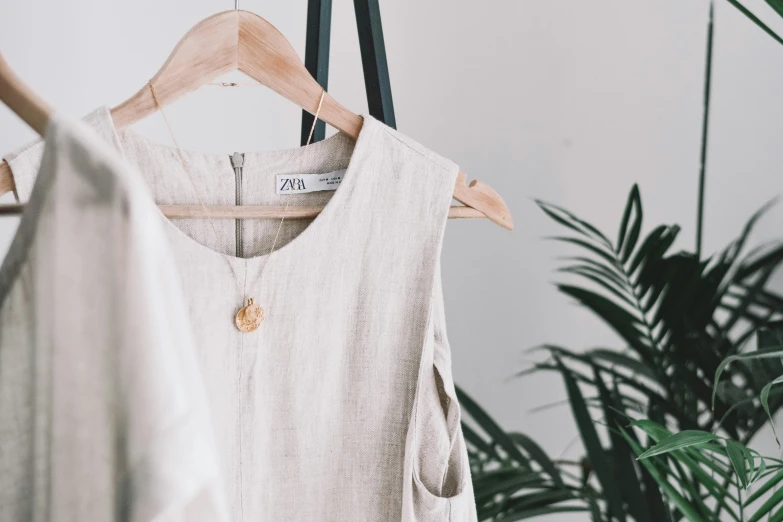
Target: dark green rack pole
{"points": [[319, 25], [373, 51], [376, 70]]}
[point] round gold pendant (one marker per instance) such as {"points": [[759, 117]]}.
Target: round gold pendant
{"points": [[249, 317]]}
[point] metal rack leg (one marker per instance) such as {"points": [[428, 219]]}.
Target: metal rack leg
{"points": [[376, 70], [319, 24]]}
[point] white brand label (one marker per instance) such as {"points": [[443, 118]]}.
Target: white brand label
{"points": [[302, 183]]}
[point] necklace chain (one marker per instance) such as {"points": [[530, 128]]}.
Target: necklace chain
{"points": [[201, 200]]}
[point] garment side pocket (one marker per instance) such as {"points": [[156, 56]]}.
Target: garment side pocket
{"points": [[440, 465], [441, 483]]}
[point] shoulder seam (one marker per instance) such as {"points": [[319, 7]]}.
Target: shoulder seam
{"points": [[414, 149]]}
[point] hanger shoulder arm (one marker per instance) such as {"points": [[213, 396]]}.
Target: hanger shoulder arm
{"points": [[483, 198], [206, 52], [6, 178]]}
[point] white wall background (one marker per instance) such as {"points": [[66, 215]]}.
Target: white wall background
{"points": [[567, 101]]}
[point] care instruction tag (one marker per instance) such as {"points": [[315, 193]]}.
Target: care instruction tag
{"points": [[302, 183]]}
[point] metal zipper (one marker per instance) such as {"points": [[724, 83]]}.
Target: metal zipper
{"points": [[238, 161]]}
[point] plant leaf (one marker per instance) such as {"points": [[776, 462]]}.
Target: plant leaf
{"points": [[760, 261], [774, 500], [616, 317], [777, 5], [742, 357], [622, 360], [542, 511], [622, 456], [764, 488], [599, 280], [610, 271], [571, 221], [607, 256], [756, 20], [683, 439], [592, 443], [477, 440], [626, 217], [492, 429], [656, 432], [683, 505], [538, 455], [737, 459], [764, 398], [654, 247], [691, 458], [510, 484], [627, 238]]}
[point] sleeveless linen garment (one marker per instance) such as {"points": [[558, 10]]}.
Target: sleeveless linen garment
{"points": [[103, 414], [341, 406]]}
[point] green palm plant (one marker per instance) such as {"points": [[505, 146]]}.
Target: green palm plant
{"points": [[729, 467], [701, 473], [513, 478], [678, 316], [777, 7]]}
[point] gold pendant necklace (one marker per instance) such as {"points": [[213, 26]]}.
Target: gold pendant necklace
{"points": [[250, 316]]}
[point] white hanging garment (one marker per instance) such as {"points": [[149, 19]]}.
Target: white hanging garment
{"points": [[103, 414], [341, 405]]}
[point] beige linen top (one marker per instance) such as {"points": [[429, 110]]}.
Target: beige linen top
{"points": [[341, 406]]}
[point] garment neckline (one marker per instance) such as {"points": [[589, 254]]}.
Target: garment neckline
{"points": [[339, 199]]}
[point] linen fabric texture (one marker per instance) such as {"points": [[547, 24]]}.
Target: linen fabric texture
{"points": [[341, 405], [103, 413]]}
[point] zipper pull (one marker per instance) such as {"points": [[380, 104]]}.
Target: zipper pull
{"points": [[237, 160]]}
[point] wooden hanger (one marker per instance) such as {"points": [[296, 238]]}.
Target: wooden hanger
{"points": [[28, 106], [25, 103], [241, 40]]}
